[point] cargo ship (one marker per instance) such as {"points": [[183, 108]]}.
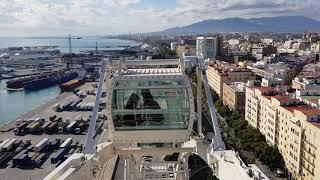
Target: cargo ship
{"points": [[72, 84], [50, 81], [41, 81]]}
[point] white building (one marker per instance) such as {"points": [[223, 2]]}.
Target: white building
{"points": [[173, 45], [206, 47]]}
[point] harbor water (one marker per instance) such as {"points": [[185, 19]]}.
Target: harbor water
{"points": [[15, 103], [62, 43]]}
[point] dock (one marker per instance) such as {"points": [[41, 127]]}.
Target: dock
{"points": [[46, 112]]}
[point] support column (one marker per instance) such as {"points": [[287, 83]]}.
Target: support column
{"points": [[199, 102]]}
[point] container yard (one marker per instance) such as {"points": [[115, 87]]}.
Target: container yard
{"points": [[43, 138]]}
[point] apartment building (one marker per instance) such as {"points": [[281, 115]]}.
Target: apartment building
{"points": [[209, 47], [222, 72], [309, 78], [234, 96], [290, 124]]}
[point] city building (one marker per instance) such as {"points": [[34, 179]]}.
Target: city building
{"points": [[261, 51], [173, 46], [272, 82], [222, 72], [267, 41], [266, 70], [309, 78], [205, 47], [234, 96], [290, 124], [209, 47], [187, 50]]}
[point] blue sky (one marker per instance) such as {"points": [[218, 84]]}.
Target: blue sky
{"points": [[104, 17]]}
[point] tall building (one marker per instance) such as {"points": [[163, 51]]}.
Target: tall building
{"points": [[206, 47], [210, 47], [219, 46], [290, 124], [220, 73]]}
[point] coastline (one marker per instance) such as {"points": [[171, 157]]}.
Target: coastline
{"points": [[5, 127]]}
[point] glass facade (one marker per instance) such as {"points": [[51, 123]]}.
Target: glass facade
{"points": [[150, 104]]}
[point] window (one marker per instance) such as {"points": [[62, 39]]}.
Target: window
{"points": [[150, 104]]}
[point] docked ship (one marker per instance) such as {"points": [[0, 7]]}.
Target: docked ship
{"points": [[72, 84], [50, 81], [42, 81]]}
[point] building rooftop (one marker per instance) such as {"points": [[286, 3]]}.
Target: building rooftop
{"points": [[307, 110], [226, 68], [162, 71], [282, 98], [268, 91], [237, 86]]}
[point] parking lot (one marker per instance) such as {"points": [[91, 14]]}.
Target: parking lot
{"points": [[45, 111]]}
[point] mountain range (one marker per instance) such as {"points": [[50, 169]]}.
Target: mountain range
{"points": [[264, 24]]}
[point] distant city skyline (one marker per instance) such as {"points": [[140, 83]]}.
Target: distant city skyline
{"points": [[105, 17]]}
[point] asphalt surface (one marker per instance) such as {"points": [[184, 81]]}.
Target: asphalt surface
{"points": [[9, 172]]}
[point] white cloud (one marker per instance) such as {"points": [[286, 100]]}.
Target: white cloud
{"points": [[58, 17]]}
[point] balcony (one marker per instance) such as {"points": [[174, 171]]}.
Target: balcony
{"points": [[307, 142], [307, 152], [308, 161], [307, 169]]}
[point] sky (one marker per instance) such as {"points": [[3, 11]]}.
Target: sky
{"points": [[110, 17]]}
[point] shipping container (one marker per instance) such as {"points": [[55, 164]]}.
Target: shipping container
{"points": [[66, 143], [71, 126], [6, 157], [23, 145], [3, 143], [17, 143], [30, 147], [55, 144], [34, 127], [57, 156], [41, 145], [16, 158], [39, 159], [45, 126], [31, 123], [8, 145], [52, 127], [22, 159]]}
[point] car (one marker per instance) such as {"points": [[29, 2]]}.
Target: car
{"points": [[280, 173]]}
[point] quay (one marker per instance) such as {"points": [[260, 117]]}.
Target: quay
{"points": [[46, 111]]}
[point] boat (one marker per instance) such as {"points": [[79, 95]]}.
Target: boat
{"points": [[42, 81], [72, 84], [39, 84], [50, 81], [18, 83]]}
